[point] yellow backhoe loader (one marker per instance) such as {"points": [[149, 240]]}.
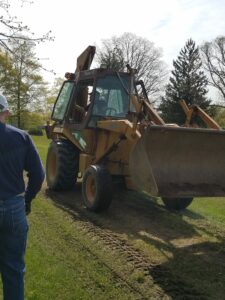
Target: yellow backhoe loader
{"points": [[104, 128]]}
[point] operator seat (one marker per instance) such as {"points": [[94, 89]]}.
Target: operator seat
{"points": [[100, 106]]}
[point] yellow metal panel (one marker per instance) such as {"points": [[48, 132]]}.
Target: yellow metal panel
{"points": [[64, 132], [84, 140], [102, 143], [117, 161], [122, 127], [84, 162]]}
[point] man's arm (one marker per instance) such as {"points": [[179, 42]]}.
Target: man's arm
{"points": [[35, 173]]}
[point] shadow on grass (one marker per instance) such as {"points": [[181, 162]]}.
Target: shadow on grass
{"points": [[192, 215], [188, 265]]}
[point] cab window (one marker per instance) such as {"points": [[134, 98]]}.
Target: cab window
{"points": [[111, 96], [62, 101]]}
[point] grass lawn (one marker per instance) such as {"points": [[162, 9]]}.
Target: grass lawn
{"points": [[61, 264]]}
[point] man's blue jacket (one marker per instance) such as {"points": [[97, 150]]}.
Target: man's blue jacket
{"points": [[18, 154]]}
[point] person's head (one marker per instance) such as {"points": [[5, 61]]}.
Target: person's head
{"points": [[4, 109], [101, 106]]}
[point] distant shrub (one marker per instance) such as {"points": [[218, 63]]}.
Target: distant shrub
{"points": [[35, 131]]}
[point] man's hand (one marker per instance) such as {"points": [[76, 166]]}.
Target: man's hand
{"points": [[28, 207]]}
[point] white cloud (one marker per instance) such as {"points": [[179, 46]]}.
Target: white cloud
{"points": [[200, 20]]}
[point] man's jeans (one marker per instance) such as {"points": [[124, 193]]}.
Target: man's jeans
{"points": [[13, 237]]}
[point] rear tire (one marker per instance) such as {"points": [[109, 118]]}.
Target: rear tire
{"points": [[177, 203], [97, 188], [62, 165]]}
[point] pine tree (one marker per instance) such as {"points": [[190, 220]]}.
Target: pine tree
{"points": [[188, 82]]}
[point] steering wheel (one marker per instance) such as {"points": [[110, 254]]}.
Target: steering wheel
{"points": [[109, 110]]}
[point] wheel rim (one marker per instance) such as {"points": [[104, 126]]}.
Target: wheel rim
{"points": [[91, 188], [52, 167]]}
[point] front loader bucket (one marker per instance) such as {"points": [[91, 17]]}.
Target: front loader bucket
{"points": [[179, 162]]}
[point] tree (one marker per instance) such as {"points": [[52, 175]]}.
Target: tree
{"points": [[213, 57], [11, 29], [140, 54], [188, 82], [20, 78]]}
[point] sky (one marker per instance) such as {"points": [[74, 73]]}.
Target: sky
{"points": [[77, 24]]}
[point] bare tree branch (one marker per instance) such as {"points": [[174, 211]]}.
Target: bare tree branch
{"points": [[12, 29], [213, 57], [141, 54]]}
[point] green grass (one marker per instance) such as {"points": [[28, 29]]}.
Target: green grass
{"points": [[211, 208], [61, 263], [42, 144], [65, 263]]}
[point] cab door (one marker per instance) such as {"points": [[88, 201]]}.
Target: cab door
{"points": [[62, 101]]}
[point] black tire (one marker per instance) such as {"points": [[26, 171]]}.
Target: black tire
{"points": [[177, 203], [97, 188], [62, 165]]}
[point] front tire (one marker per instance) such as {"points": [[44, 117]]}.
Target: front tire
{"points": [[97, 188], [177, 203], [62, 165]]}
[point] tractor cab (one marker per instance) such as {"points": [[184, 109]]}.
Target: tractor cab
{"points": [[95, 95]]}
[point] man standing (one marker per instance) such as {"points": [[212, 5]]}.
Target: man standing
{"points": [[17, 154]]}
